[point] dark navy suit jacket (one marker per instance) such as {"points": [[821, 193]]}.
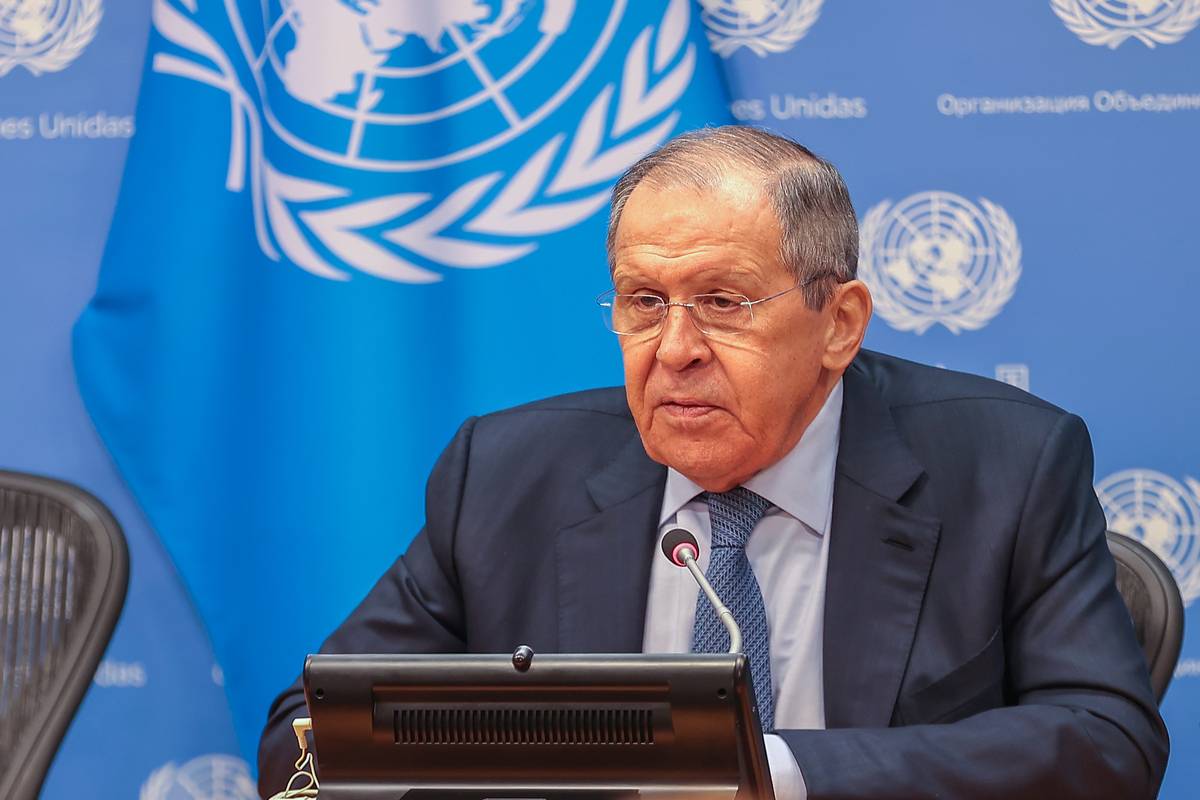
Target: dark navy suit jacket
{"points": [[975, 645]]}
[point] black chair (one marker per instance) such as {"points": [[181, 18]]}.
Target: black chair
{"points": [[1152, 596], [64, 568]]}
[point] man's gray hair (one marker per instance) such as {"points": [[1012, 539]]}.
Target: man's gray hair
{"points": [[818, 227]]}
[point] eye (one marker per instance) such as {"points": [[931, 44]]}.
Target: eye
{"points": [[647, 306], [645, 302], [720, 303]]}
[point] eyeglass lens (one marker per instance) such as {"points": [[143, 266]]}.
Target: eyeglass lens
{"points": [[711, 313]]}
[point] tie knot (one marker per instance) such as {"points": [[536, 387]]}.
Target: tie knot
{"points": [[734, 514]]}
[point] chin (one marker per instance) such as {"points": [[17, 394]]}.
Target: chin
{"points": [[713, 472]]}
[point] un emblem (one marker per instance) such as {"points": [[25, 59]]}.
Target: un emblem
{"points": [[1163, 514], [345, 96], [374, 99], [1112, 22], [45, 35], [762, 26], [935, 257], [213, 777]]}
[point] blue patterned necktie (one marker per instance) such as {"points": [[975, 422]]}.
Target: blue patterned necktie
{"points": [[734, 514]]}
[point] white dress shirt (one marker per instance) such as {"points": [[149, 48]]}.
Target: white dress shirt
{"points": [[789, 552]]}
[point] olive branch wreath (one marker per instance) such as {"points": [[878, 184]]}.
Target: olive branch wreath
{"points": [[65, 47], [514, 207], [793, 25], [902, 318], [1092, 31], [1190, 583]]}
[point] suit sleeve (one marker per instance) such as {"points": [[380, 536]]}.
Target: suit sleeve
{"points": [[1083, 722], [414, 608]]}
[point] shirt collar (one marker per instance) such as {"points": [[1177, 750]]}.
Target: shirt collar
{"points": [[800, 483]]}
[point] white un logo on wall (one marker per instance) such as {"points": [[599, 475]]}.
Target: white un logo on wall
{"points": [[1112, 22], [45, 35], [1163, 514], [390, 54], [357, 98], [762, 26], [937, 258], [212, 777]]}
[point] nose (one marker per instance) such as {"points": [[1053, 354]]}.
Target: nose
{"points": [[680, 343]]}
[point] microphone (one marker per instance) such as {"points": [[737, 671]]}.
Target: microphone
{"points": [[681, 549]]}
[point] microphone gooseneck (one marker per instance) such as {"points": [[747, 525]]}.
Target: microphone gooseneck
{"points": [[681, 549]]}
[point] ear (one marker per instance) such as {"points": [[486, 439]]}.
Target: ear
{"points": [[847, 315]]}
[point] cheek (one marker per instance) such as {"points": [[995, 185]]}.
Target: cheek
{"points": [[768, 385], [636, 361], [753, 375]]}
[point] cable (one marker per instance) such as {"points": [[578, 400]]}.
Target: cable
{"points": [[305, 768]]}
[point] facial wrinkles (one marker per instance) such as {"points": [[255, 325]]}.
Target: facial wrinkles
{"points": [[672, 241], [677, 244], [702, 379], [696, 270]]}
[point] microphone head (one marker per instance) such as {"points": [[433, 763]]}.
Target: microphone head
{"points": [[675, 542]]}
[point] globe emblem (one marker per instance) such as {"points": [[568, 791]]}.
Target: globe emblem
{"points": [[937, 257], [1111, 22], [1163, 514], [211, 777], [45, 35], [1129, 13], [763, 26], [382, 104], [417, 87], [936, 250], [742, 17]]}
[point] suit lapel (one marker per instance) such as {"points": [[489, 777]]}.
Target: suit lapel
{"points": [[880, 554], [604, 560]]}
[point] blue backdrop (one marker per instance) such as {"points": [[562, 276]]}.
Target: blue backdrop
{"points": [[316, 269]]}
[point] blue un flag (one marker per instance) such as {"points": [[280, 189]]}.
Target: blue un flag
{"points": [[344, 226]]}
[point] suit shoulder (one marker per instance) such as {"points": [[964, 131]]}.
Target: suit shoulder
{"points": [[957, 424], [548, 447], [909, 386], [591, 420]]}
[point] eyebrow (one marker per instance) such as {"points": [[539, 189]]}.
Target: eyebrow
{"points": [[707, 274]]}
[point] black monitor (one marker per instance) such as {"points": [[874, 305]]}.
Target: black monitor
{"points": [[524, 726]]}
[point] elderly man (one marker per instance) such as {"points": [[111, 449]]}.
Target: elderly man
{"points": [[916, 555]]}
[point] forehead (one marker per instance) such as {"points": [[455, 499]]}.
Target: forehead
{"points": [[731, 225]]}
